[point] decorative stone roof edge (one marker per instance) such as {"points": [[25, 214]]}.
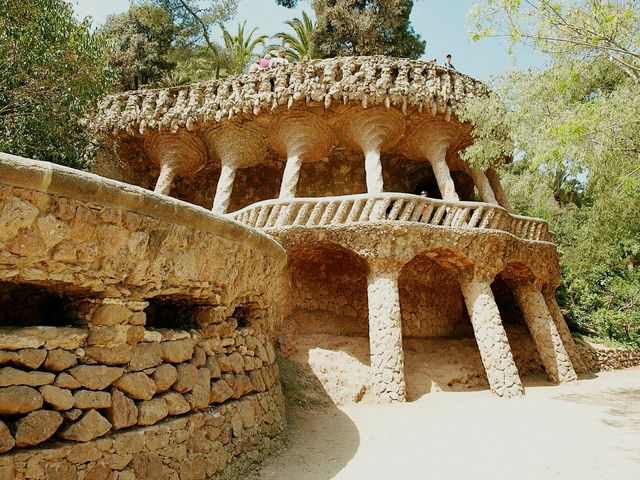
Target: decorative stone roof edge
{"points": [[62, 181], [376, 80]]}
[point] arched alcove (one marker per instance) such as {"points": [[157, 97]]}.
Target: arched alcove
{"points": [[326, 327], [440, 349], [524, 351]]}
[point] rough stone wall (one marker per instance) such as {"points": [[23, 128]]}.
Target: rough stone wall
{"points": [[328, 292], [118, 262], [430, 299], [218, 443], [600, 358], [92, 250], [78, 384]]}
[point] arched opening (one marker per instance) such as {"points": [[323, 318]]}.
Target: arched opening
{"points": [[326, 327], [524, 351], [26, 305], [465, 187], [409, 176], [440, 350]]}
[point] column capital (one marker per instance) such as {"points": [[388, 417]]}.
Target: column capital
{"points": [[383, 266]]}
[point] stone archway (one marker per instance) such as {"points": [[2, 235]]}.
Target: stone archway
{"points": [[326, 326], [440, 351]]}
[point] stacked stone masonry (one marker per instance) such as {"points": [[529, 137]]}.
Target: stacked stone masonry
{"points": [[152, 337]]}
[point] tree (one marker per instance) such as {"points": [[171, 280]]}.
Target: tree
{"points": [[366, 27], [299, 44], [52, 71], [582, 29], [195, 20], [242, 47], [141, 39], [575, 127]]}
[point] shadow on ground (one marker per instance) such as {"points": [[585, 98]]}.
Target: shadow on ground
{"points": [[317, 430], [622, 406]]}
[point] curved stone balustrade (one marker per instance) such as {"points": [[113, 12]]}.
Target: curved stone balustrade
{"points": [[390, 207], [377, 80]]}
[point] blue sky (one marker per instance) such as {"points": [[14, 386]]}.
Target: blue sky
{"points": [[443, 24]]}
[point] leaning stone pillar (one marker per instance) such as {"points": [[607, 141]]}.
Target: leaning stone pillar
{"points": [[563, 330], [235, 148], [429, 139], [224, 189], [496, 186], [543, 329], [492, 340], [372, 131], [176, 154], [300, 137], [436, 153], [484, 187], [385, 331]]}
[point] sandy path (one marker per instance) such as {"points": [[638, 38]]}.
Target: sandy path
{"points": [[586, 430]]}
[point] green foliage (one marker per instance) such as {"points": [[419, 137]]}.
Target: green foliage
{"points": [[570, 29], [299, 44], [140, 39], [575, 132], [242, 47], [366, 27], [52, 71]]}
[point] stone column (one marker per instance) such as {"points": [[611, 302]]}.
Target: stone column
{"points": [[492, 340], [165, 180], [543, 329], [235, 148], [483, 186], [429, 139], [385, 331], [373, 170], [176, 154], [496, 186], [436, 153], [300, 136], [290, 177], [563, 330], [372, 131], [224, 189]]}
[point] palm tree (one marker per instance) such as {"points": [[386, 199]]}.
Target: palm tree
{"points": [[242, 47], [298, 46]]}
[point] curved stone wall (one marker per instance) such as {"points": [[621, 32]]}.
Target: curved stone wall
{"points": [[156, 342]]}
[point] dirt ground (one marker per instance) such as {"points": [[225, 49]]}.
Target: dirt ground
{"points": [[586, 430]]}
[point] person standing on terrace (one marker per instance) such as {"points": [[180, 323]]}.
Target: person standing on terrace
{"points": [[448, 63]]}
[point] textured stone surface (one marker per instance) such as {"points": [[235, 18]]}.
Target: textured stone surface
{"points": [[187, 376], [91, 425], [87, 399], [136, 385], [543, 329], [20, 399], [385, 332], [58, 360], [57, 398], [96, 377], [122, 412], [11, 376], [152, 411], [37, 427], [165, 376], [6, 439], [176, 403], [493, 343]]}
